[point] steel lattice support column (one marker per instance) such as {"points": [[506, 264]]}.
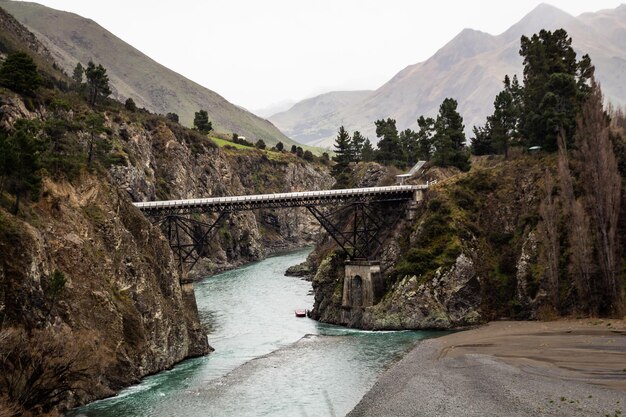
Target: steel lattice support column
{"points": [[188, 238], [356, 228]]}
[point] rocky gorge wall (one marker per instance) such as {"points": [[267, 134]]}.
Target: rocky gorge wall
{"points": [[471, 254]]}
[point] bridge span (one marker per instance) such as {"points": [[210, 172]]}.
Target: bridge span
{"points": [[280, 200], [356, 218]]}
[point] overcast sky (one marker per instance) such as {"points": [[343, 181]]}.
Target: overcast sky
{"points": [[260, 52]]}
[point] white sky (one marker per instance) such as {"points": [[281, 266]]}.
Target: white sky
{"points": [[260, 52]]}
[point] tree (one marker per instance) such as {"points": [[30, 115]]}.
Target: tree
{"points": [[19, 73], [22, 161], [389, 149], [299, 152], [172, 117], [368, 153], [97, 82], [555, 86], [78, 73], [409, 144], [308, 156], [280, 146], [130, 105], [294, 149], [425, 137], [201, 122], [260, 144], [602, 183], [357, 146], [504, 120], [481, 143], [95, 126], [449, 138], [343, 156]]}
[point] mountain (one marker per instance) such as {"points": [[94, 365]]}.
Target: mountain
{"points": [[470, 68], [71, 38], [301, 117]]}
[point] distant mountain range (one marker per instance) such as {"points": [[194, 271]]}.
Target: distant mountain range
{"points": [[72, 38], [470, 68]]}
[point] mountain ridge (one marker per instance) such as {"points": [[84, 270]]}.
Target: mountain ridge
{"points": [[72, 38], [471, 67]]}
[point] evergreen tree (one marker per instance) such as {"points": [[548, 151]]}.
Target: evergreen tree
{"points": [[130, 105], [449, 138], [389, 149], [280, 146], [260, 144], [357, 146], [343, 156], [19, 73], [78, 73], [172, 117], [481, 142], [555, 86], [410, 147], [95, 126], [368, 153], [294, 149], [22, 161], [201, 122], [97, 82], [425, 137]]}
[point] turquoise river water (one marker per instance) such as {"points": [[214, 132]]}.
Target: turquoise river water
{"points": [[266, 362]]}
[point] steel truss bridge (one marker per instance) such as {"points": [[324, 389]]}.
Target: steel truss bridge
{"points": [[355, 218]]}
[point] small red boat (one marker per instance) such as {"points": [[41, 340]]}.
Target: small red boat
{"points": [[300, 313]]}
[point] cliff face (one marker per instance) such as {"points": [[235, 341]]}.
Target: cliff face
{"points": [[471, 254], [121, 302]]}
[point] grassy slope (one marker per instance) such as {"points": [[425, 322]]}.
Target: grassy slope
{"points": [[72, 38]]}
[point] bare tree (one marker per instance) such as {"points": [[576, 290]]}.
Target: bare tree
{"points": [[601, 183], [37, 371], [577, 222], [549, 233]]}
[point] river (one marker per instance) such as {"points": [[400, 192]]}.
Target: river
{"points": [[266, 362]]}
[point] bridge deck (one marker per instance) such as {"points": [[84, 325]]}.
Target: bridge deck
{"points": [[298, 199]]}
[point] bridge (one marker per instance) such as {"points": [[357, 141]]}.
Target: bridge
{"points": [[355, 218]]}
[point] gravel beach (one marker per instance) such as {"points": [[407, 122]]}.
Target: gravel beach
{"points": [[558, 368]]}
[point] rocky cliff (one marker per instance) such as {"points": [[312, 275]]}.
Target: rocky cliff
{"points": [[473, 253]]}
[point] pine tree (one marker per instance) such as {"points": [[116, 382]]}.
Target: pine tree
{"points": [[410, 146], [78, 73], [357, 146], [343, 157], [19, 73], [425, 137], [389, 149], [555, 86], [201, 122], [22, 161], [97, 82], [368, 153], [449, 138]]}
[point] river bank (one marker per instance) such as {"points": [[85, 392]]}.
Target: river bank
{"points": [[558, 368]]}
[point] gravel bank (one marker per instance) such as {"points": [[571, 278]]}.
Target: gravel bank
{"points": [[560, 368]]}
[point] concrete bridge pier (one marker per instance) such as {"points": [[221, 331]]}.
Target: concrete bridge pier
{"points": [[362, 284]]}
